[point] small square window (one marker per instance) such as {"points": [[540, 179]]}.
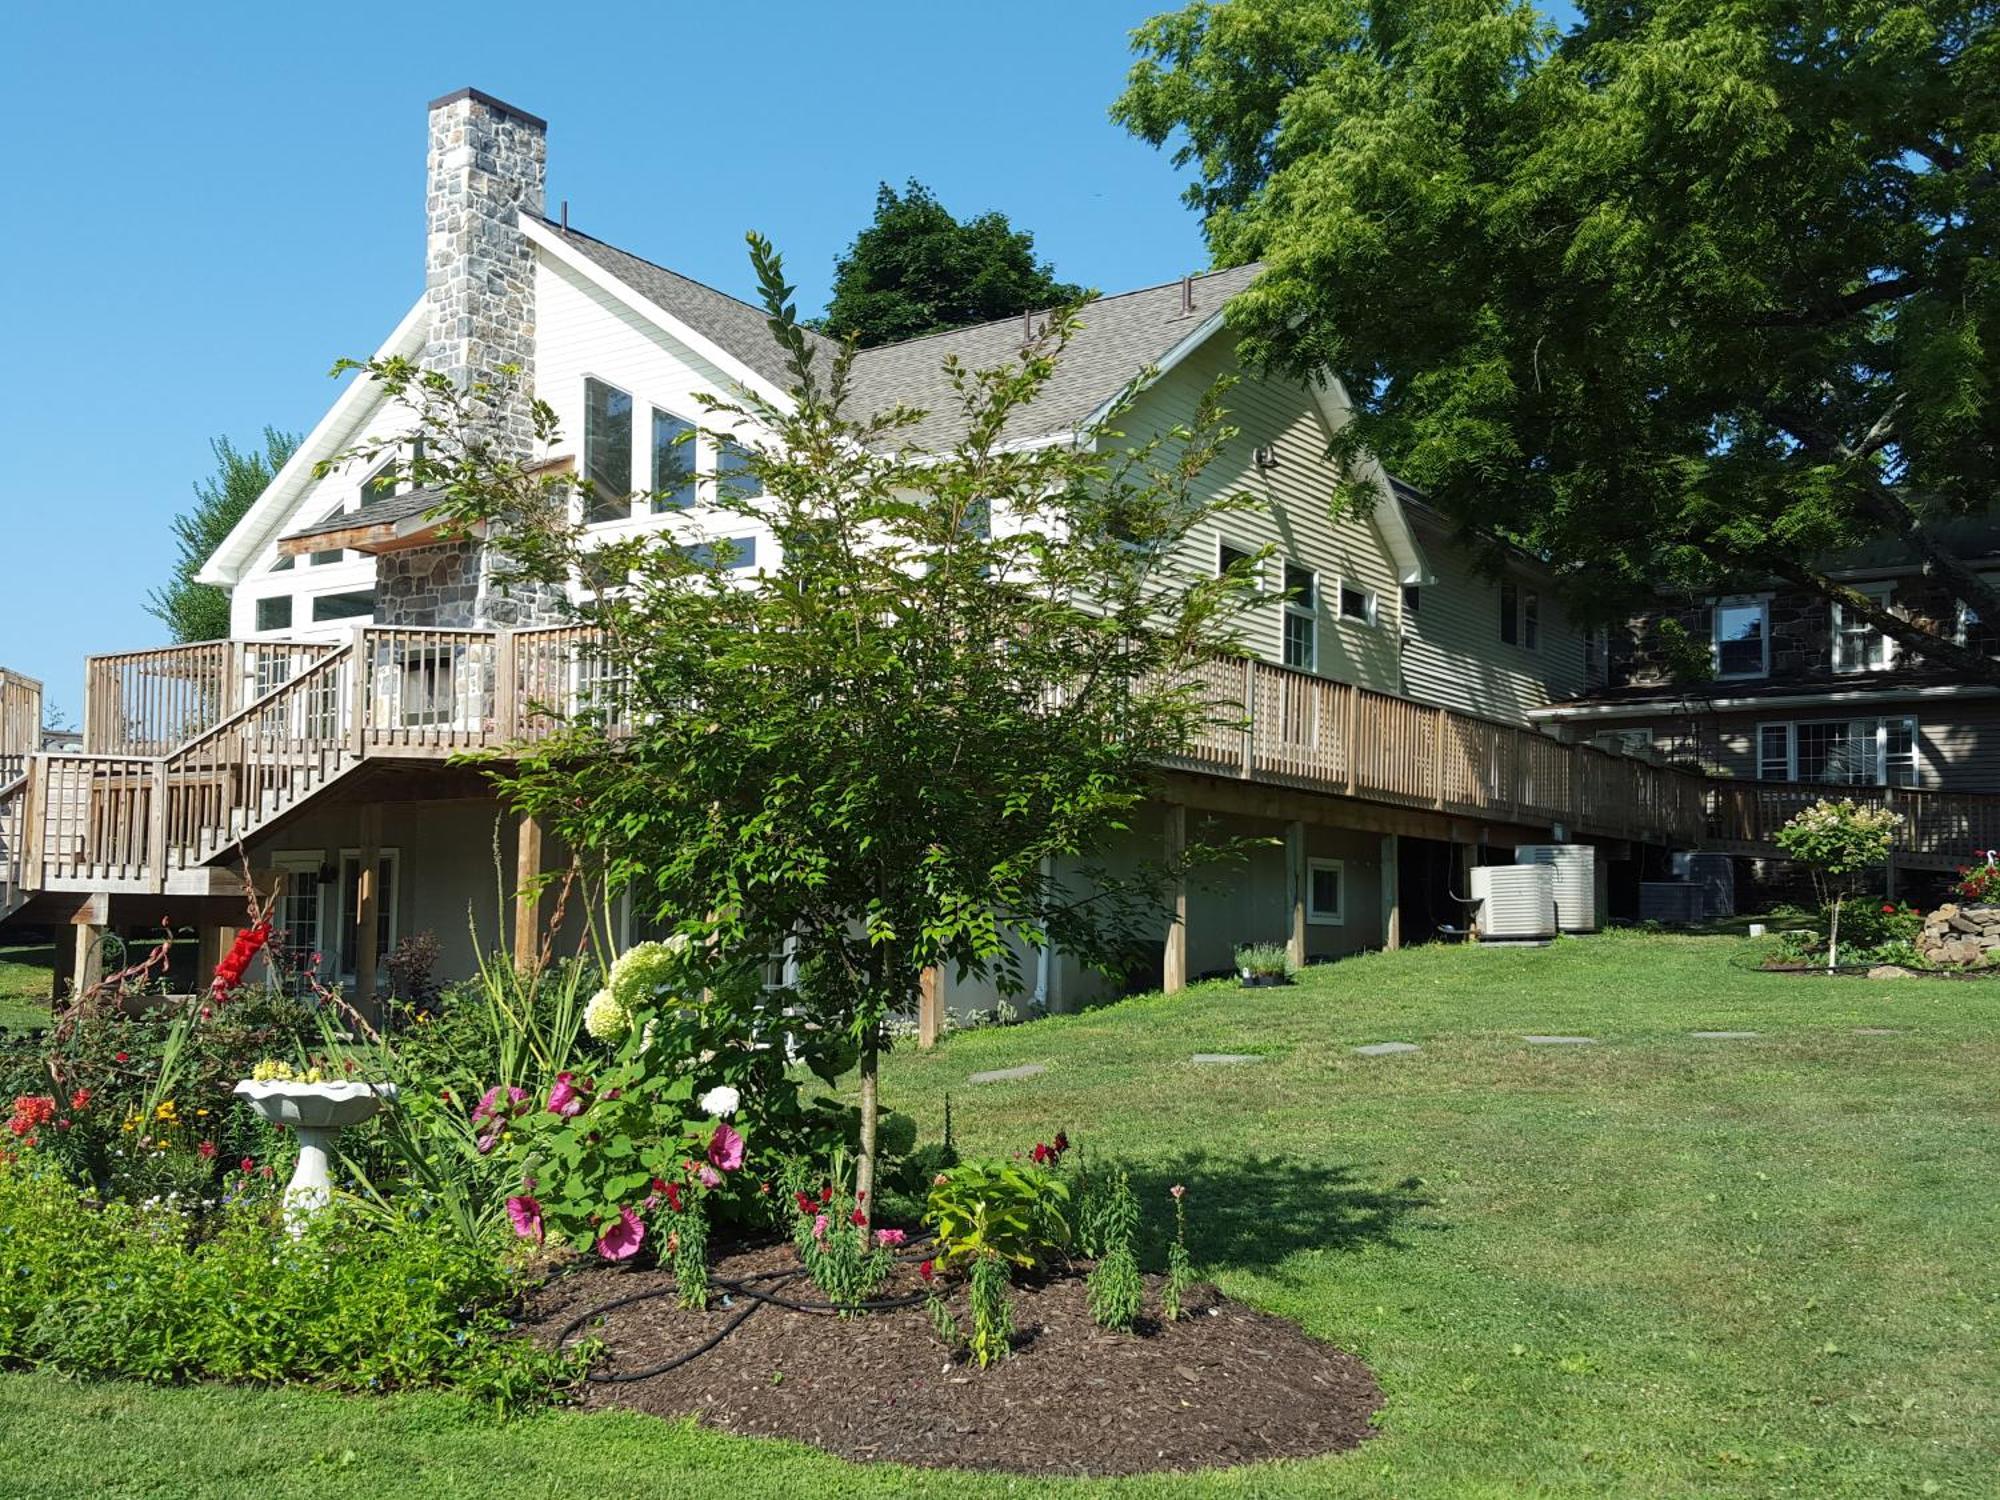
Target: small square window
{"points": [[1356, 604], [275, 613], [1324, 893], [1741, 630], [1412, 598], [1227, 557]]}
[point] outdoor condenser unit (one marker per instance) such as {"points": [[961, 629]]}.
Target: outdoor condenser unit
{"points": [[1514, 903], [1581, 894]]}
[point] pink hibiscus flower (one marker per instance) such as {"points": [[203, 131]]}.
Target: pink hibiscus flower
{"points": [[725, 1148], [709, 1176], [890, 1237], [565, 1098], [526, 1214], [622, 1240]]}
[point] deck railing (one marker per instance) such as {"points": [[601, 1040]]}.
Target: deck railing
{"points": [[20, 723], [303, 714]]}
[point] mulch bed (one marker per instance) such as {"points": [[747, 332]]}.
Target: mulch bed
{"points": [[1224, 1386]]}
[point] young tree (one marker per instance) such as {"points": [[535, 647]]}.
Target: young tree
{"points": [[195, 611], [918, 270], [1689, 296], [866, 744], [1838, 841]]}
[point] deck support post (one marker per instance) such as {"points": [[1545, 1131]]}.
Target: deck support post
{"points": [[527, 893], [367, 908], [1295, 893], [87, 968], [930, 1007], [1174, 966], [1392, 892]]}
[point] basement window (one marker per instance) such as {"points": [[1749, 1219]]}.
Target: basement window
{"points": [[607, 451], [1325, 879]]}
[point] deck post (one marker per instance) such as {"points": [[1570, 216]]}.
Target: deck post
{"points": [[367, 908], [1437, 756], [1249, 718], [87, 968], [930, 1007], [358, 692], [502, 707], [1295, 893], [527, 893], [1392, 893], [1173, 967]]}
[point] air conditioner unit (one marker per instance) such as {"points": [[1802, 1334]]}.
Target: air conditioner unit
{"points": [[1678, 903], [1514, 903], [1581, 892]]}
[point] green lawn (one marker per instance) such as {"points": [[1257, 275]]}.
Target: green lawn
{"points": [[1656, 1266], [24, 985]]}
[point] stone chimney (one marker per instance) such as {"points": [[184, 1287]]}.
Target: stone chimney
{"points": [[487, 164]]}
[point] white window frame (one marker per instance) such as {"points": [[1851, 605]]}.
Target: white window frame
{"points": [[331, 942], [1370, 617], [1762, 604], [1257, 572], [1880, 754], [1296, 611], [1883, 594], [639, 458], [290, 862], [1315, 916]]}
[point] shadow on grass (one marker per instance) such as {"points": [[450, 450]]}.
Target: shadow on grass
{"points": [[1256, 1212]]}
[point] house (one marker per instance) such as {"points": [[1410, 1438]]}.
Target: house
{"points": [[1385, 724], [1793, 690]]}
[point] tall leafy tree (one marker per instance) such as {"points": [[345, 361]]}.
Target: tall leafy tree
{"points": [[1697, 293], [889, 738], [195, 611], [918, 270]]}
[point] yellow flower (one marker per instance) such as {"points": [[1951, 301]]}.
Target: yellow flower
{"points": [[201, 1113]]}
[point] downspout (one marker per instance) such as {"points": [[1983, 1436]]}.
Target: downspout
{"points": [[1045, 953]]}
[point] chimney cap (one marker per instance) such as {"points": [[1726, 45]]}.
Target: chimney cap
{"points": [[491, 103]]}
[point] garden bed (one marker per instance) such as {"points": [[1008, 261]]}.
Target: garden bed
{"points": [[1224, 1386]]}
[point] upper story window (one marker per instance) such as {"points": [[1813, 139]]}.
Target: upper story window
{"points": [[1531, 621], [732, 470], [1857, 645], [607, 451], [1510, 612], [1357, 604], [1301, 618], [1228, 556], [380, 485], [275, 613], [673, 462], [359, 604], [1412, 599], [1742, 637]]}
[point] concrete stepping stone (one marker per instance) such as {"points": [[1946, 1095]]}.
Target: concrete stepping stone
{"points": [[1386, 1049], [1878, 1031], [1009, 1075], [1726, 1036], [1228, 1057], [1560, 1041]]}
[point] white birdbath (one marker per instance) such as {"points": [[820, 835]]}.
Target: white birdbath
{"points": [[317, 1112]]}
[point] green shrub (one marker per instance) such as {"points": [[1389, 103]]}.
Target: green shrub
{"points": [[1264, 960], [1115, 1290], [132, 1292], [1009, 1209]]}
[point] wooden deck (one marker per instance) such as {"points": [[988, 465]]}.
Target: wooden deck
{"points": [[20, 723], [190, 750]]}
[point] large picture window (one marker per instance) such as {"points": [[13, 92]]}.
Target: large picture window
{"points": [[1846, 752], [1742, 637], [607, 451]]}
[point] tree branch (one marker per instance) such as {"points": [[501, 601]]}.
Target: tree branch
{"points": [[1841, 308], [1928, 644]]}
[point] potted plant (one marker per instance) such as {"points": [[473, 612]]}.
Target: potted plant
{"points": [[1263, 964]]}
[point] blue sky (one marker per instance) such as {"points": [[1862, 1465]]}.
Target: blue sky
{"points": [[211, 203]]}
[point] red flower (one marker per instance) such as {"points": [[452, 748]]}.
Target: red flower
{"points": [[206, 1151], [673, 1195], [1041, 1156], [80, 1100], [928, 1270], [826, 1193], [249, 1165], [857, 1217], [1889, 907], [805, 1203], [120, 1057]]}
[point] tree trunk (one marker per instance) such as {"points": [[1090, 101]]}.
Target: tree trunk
{"points": [[864, 1171], [1833, 935]]}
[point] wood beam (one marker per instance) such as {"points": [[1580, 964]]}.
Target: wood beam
{"points": [[368, 909], [930, 1008], [87, 968], [1295, 893], [527, 893], [1392, 892], [1174, 965]]}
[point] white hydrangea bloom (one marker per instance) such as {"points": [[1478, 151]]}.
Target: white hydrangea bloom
{"points": [[721, 1101], [606, 1017]]}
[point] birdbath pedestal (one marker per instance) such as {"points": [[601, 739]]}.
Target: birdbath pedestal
{"points": [[316, 1112]]}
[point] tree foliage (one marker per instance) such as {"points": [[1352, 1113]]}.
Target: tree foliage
{"points": [[1694, 294], [196, 611], [918, 270], [897, 737]]}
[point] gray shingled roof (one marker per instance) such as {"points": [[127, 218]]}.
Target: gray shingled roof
{"points": [[390, 508], [735, 325], [1120, 336]]}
